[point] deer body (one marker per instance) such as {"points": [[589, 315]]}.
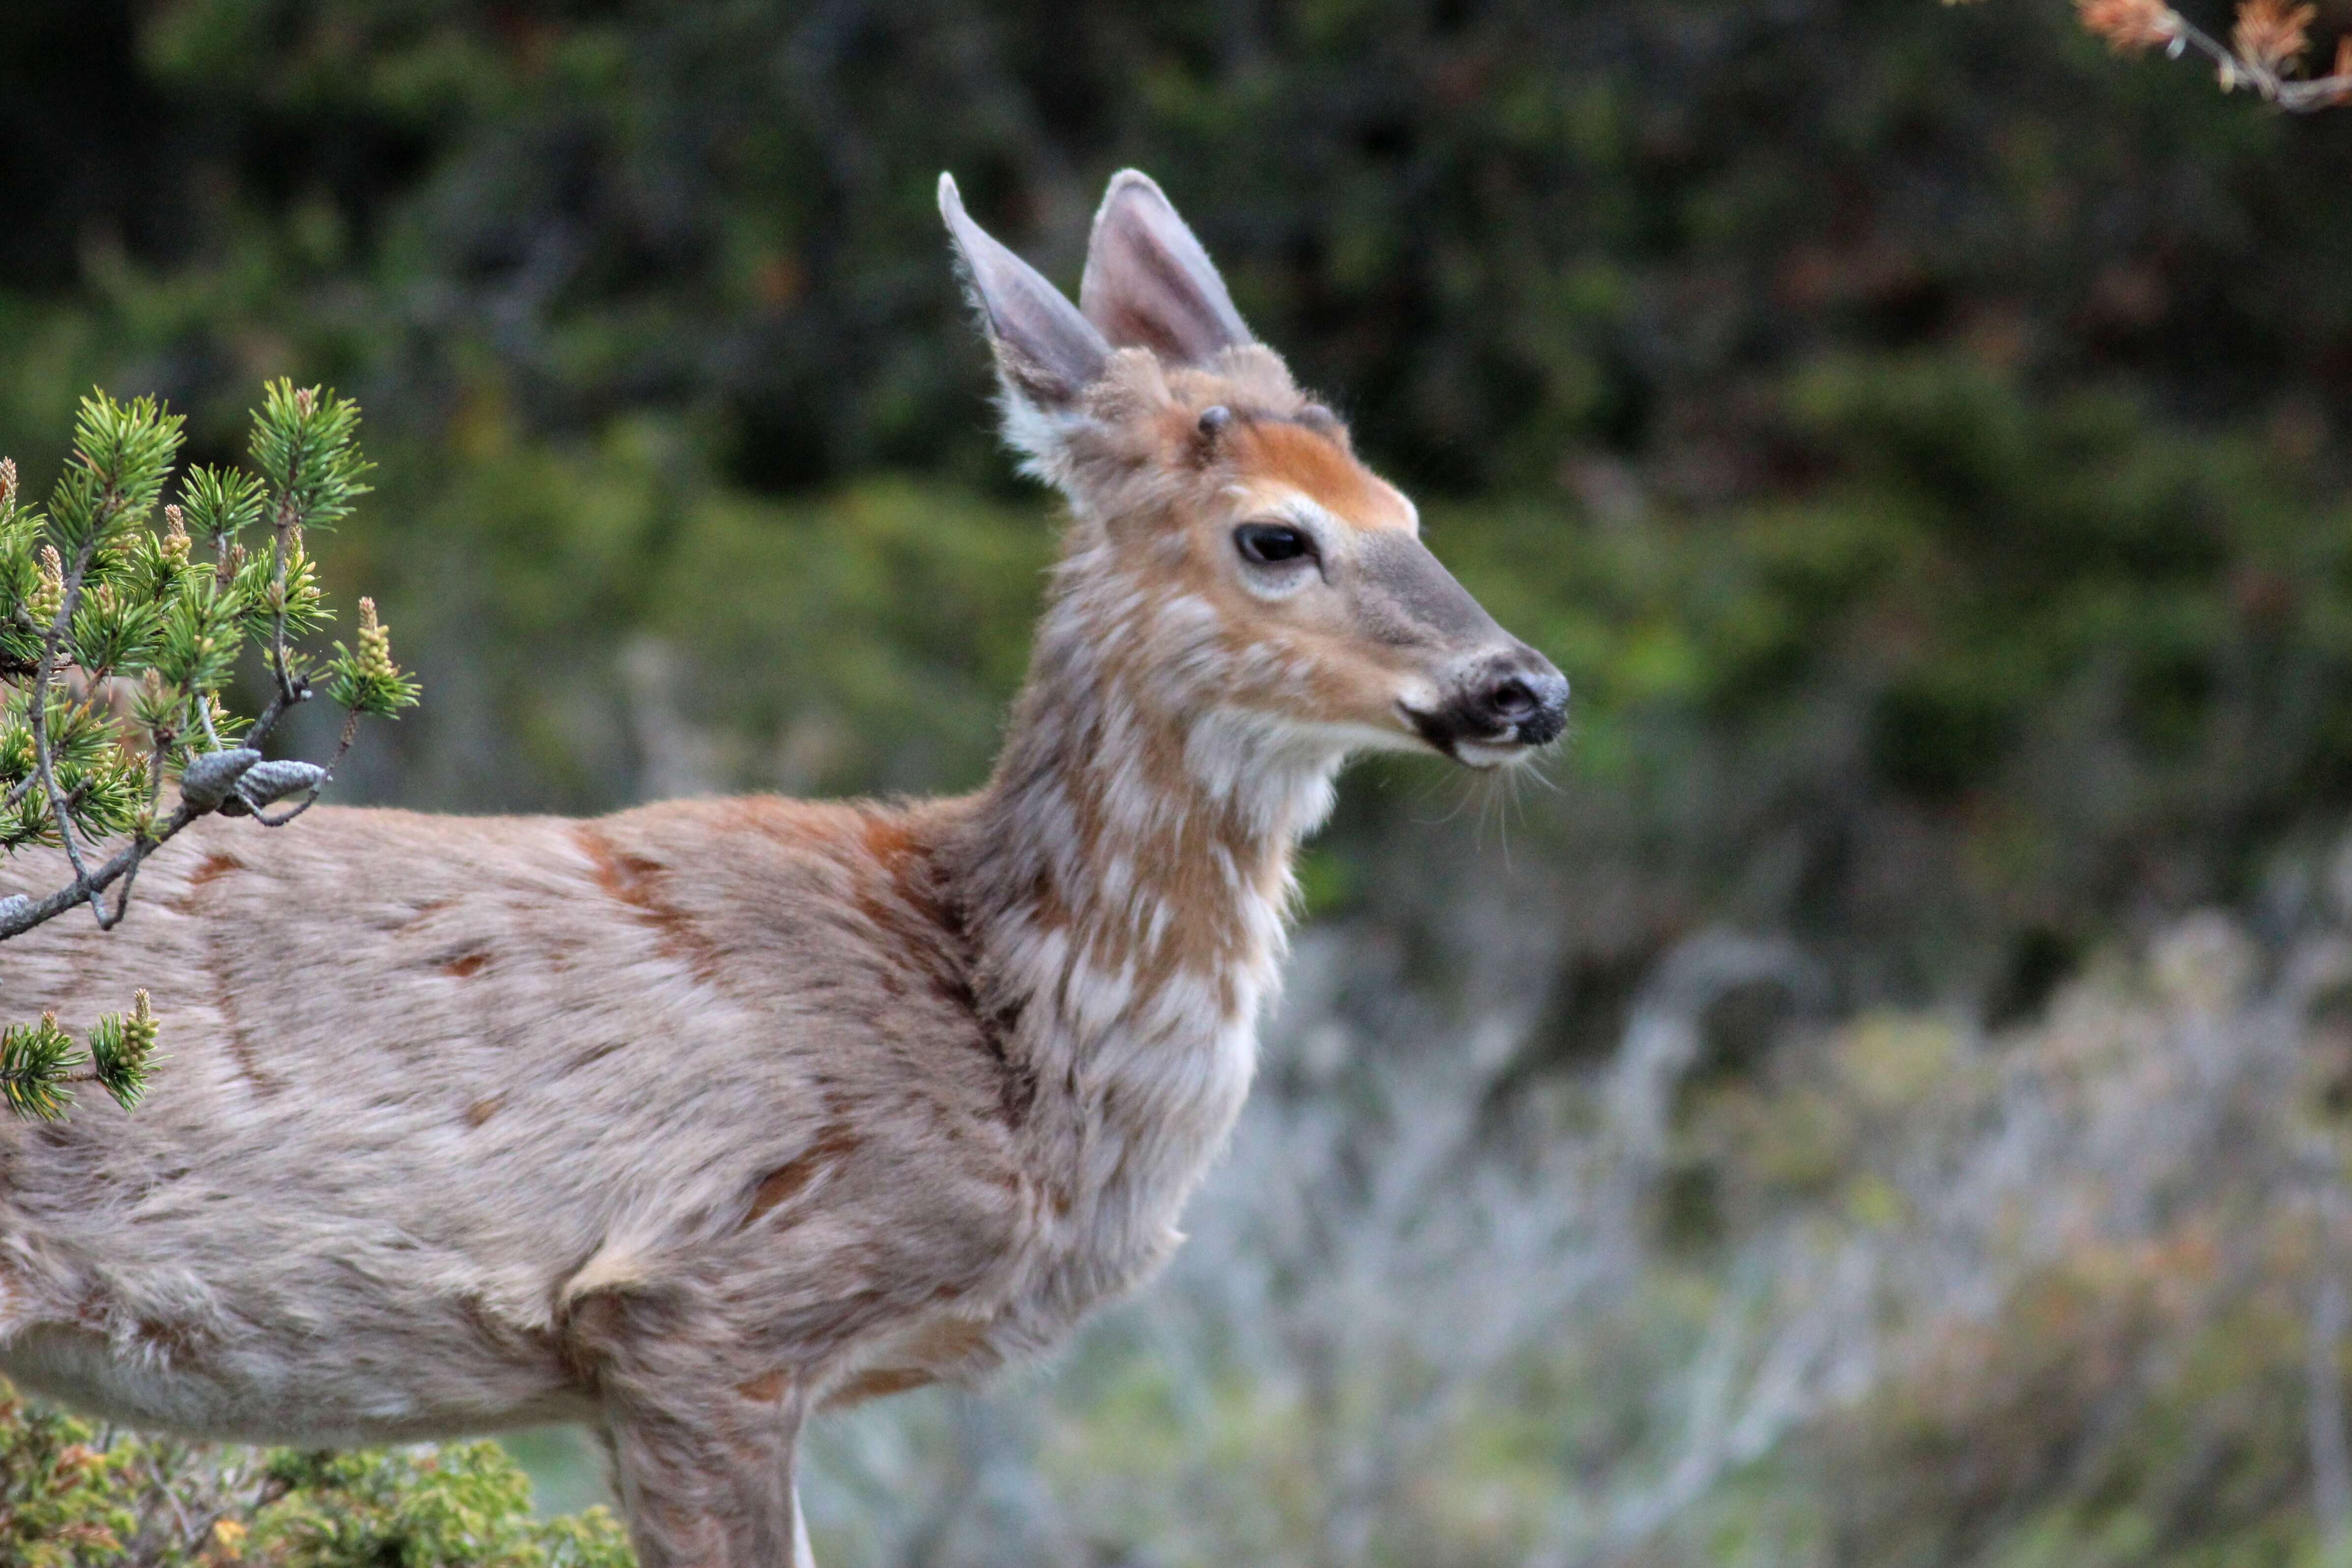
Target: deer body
{"points": [[693, 1120]]}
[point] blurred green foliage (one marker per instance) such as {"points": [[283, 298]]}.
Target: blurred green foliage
{"points": [[1909, 427], [1500, 231], [72, 1496]]}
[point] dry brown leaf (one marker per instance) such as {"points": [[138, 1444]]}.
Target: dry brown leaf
{"points": [[2272, 33], [2129, 24]]}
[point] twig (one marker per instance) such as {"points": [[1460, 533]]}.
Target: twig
{"points": [[88, 884], [2297, 96], [326, 775], [39, 706], [91, 883], [2269, 40], [161, 748], [122, 900], [280, 526]]}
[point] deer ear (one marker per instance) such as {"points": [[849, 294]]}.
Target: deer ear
{"points": [[1148, 284], [1046, 352]]}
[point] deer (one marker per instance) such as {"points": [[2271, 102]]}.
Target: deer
{"points": [[691, 1121]]}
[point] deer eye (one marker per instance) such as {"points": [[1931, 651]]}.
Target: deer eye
{"points": [[1271, 543]]}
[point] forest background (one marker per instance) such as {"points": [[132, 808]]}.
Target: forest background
{"points": [[1884, 1102]]}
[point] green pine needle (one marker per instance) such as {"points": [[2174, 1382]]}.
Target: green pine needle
{"points": [[220, 504], [305, 444], [122, 454], [122, 1051], [34, 1060]]}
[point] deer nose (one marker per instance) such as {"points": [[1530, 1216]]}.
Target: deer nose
{"points": [[1523, 696]]}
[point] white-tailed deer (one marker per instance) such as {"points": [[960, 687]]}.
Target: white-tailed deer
{"points": [[690, 1122]]}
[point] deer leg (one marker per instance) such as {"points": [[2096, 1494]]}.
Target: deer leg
{"points": [[708, 1482]]}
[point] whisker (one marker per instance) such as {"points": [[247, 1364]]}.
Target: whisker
{"points": [[1506, 792], [1519, 791], [1424, 789], [1460, 800]]}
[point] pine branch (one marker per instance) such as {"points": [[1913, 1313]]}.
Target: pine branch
{"points": [[122, 1048], [2265, 51], [91, 593], [34, 1059]]}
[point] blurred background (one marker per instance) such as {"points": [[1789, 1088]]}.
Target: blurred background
{"points": [[1881, 1098]]}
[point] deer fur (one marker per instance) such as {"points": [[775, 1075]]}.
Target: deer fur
{"points": [[690, 1121]]}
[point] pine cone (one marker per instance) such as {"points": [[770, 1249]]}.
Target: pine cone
{"points": [[266, 781], [207, 780]]}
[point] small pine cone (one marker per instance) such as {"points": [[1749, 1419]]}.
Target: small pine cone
{"points": [[266, 781], [375, 644], [49, 597], [207, 780]]}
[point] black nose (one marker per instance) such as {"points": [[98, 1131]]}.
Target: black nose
{"points": [[1524, 697]]}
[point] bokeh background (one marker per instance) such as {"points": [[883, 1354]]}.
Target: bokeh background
{"points": [[1881, 1098]]}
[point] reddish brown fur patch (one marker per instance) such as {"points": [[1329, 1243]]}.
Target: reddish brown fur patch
{"points": [[927, 932], [775, 817], [875, 1384], [240, 1049], [766, 1389], [787, 1181], [1318, 467], [890, 838], [593, 1054], [636, 881], [1180, 862], [213, 865], [466, 968], [936, 1352], [210, 869], [481, 1110], [949, 1341]]}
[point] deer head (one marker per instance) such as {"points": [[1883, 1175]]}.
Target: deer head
{"points": [[1241, 561]]}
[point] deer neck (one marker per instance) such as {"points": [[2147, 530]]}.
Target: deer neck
{"points": [[1126, 887]]}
